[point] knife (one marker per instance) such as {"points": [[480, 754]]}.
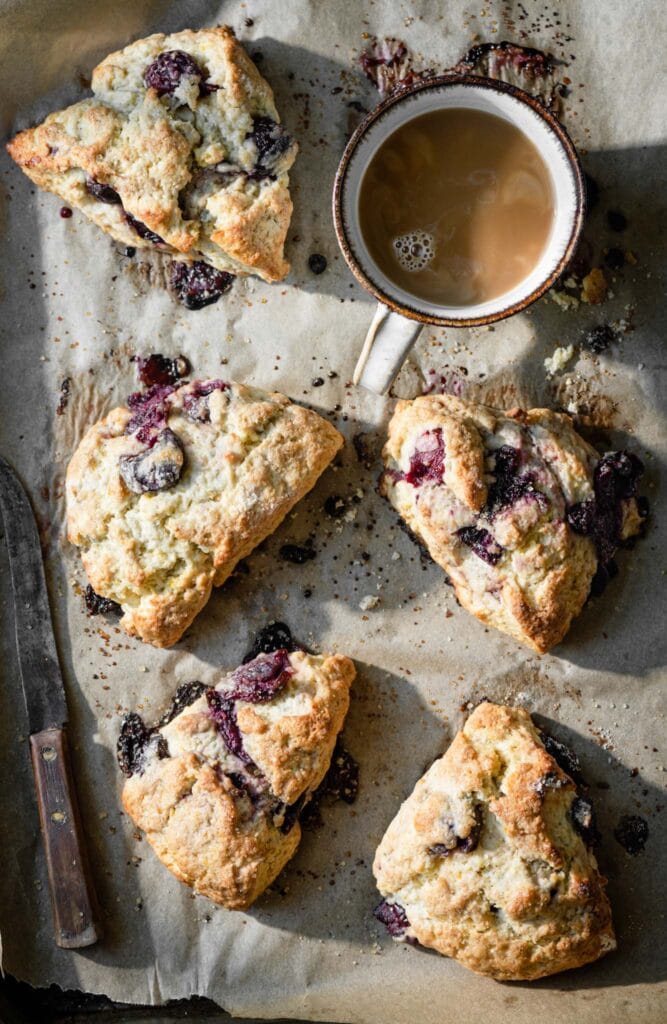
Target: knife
{"points": [[71, 890]]}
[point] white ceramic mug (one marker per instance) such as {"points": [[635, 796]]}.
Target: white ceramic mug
{"points": [[400, 315]]}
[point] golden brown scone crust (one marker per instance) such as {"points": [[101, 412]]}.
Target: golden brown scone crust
{"points": [[159, 554], [185, 166], [200, 822], [527, 900], [543, 574]]}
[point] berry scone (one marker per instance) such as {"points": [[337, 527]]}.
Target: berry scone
{"points": [[180, 148], [489, 860], [167, 494], [218, 785], [520, 512]]}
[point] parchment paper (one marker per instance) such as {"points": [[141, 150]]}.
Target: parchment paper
{"points": [[75, 308]]}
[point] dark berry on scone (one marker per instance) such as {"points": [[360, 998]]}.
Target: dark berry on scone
{"points": [[393, 917], [223, 713], [260, 680], [142, 230], [168, 69], [272, 141], [274, 637], [427, 464], [150, 410], [583, 819], [482, 543], [104, 193], [156, 469], [195, 403], [509, 485], [186, 694], [198, 284], [133, 742], [97, 605], [159, 369]]}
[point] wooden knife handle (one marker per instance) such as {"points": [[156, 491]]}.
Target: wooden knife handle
{"points": [[71, 890]]}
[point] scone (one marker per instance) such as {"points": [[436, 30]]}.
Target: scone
{"points": [[489, 860], [167, 494], [219, 783], [518, 510], [180, 148]]}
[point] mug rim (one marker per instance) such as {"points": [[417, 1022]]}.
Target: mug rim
{"points": [[478, 81]]}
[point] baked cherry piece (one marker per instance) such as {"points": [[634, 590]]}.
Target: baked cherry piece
{"points": [[482, 543], [261, 679], [156, 469], [223, 713], [166, 72], [149, 412], [140, 228], [133, 742], [104, 193], [198, 284], [159, 369], [393, 917], [427, 464], [195, 403], [98, 605]]}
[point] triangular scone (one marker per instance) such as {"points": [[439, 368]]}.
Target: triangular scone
{"points": [[487, 861], [165, 497], [180, 147], [219, 784], [518, 509]]}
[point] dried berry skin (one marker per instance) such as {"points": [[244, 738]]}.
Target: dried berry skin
{"points": [[632, 833], [482, 543], [104, 193], [583, 820], [564, 757], [97, 605], [615, 479], [195, 403], [274, 637], [150, 410], [599, 338], [157, 468], [260, 680], [166, 71], [393, 917], [142, 230], [198, 284], [186, 694], [223, 713]]}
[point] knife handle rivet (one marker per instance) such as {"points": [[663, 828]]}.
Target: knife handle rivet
{"points": [[58, 818], [48, 754]]}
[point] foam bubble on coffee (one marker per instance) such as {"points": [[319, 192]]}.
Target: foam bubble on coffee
{"points": [[414, 250]]}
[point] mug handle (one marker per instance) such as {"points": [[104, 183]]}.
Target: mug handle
{"points": [[390, 337]]}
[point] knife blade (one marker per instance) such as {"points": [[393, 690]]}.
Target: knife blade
{"points": [[46, 706]]}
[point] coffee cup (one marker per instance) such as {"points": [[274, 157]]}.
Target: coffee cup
{"points": [[400, 314]]}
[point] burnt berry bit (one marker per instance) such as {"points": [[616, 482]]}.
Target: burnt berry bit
{"points": [[98, 605], [599, 338], [317, 263], [65, 212], [104, 193], [616, 220], [614, 258], [166, 72], [342, 779], [581, 517], [335, 506], [159, 369], [261, 679], [149, 412], [133, 742], [223, 713], [195, 403], [276, 636], [393, 917], [632, 833], [140, 228], [427, 463], [482, 543], [317, 382], [297, 554], [186, 694], [272, 141], [156, 469], [198, 284], [564, 757], [583, 820]]}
